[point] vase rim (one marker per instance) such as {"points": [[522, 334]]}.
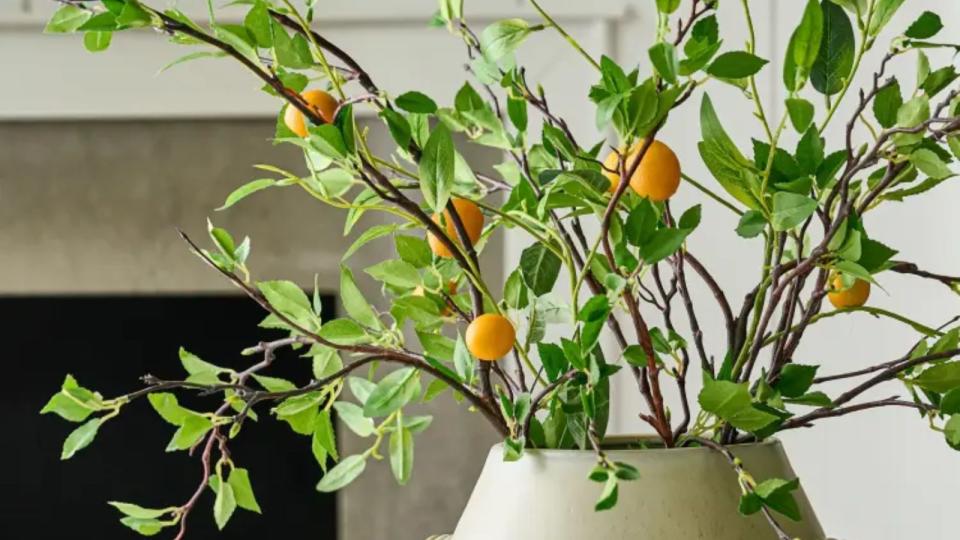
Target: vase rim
{"points": [[620, 439]]}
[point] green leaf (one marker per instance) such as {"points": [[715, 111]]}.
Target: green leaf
{"points": [[416, 102], [925, 27], [517, 111], [795, 380], [503, 37], [194, 427], [242, 490], [451, 10], [97, 41], [950, 402], [954, 143], [776, 495], [540, 268], [752, 224], [395, 272], [145, 527], [225, 503], [939, 378], [391, 393], [67, 19], [883, 12], [930, 164], [724, 398], [369, 235], [437, 168], [257, 22], [192, 56], [463, 361], [401, 455], [887, 103], [553, 360], [105, 21], [801, 113], [641, 223], [413, 250], [732, 170], [274, 384], [732, 402], [662, 244], [668, 6], [951, 431], [939, 79], [608, 497], [200, 371], [736, 65], [813, 399], [328, 140], [664, 58], [437, 345], [353, 301], [834, 63], [873, 255], [136, 511], [343, 332], [133, 15], [67, 408], [345, 472], [247, 189], [704, 42], [324, 436], [398, 125], [167, 407], [804, 47], [289, 299], [810, 151], [352, 416], [790, 210], [80, 438]]}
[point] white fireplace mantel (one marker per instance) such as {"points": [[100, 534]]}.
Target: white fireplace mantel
{"points": [[390, 38]]}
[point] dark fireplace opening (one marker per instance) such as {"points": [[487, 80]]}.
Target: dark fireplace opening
{"points": [[107, 343]]}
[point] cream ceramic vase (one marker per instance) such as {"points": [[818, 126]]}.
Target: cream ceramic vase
{"points": [[682, 494]]}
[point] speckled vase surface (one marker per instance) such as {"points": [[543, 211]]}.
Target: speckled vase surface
{"points": [[682, 494]]}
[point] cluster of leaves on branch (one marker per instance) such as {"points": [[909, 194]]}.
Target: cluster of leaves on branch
{"points": [[809, 205]]}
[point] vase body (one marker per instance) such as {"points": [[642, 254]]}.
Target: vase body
{"points": [[682, 494]]}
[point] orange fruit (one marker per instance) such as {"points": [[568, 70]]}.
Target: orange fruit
{"points": [[656, 178], [855, 296], [490, 337], [321, 102], [472, 221]]}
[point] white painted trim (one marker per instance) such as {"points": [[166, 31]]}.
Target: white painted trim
{"points": [[32, 13]]}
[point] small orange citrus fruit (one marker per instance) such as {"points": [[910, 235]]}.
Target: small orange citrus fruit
{"points": [[490, 337], [321, 102], [658, 175], [855, 296], [472, 220]]}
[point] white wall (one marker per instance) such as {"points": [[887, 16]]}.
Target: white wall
{"points": [[880, 475]]}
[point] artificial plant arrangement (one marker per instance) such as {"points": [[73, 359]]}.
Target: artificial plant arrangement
{"points": [[808, 207]]}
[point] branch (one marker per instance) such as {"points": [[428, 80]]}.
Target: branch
{"points": [[742, 476], [904, 267], [890, 371], [400, 356], [718, 295], [807, 419]]}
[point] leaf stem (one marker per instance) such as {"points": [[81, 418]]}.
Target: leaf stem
{"points": [[573, 42], [710, 193]]}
